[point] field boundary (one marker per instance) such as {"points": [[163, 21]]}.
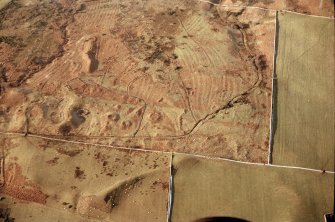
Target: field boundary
{"points": [[165, 152], [262, 8], [273, 112]]}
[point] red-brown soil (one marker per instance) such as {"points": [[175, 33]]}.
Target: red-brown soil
{"points": [[190, 78]]}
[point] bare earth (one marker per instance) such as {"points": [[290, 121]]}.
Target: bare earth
{"points": [[153, 78], [141, 74]]}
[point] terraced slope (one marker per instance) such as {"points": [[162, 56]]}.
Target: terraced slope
{"points": [[105, 104], [145, 74]]}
